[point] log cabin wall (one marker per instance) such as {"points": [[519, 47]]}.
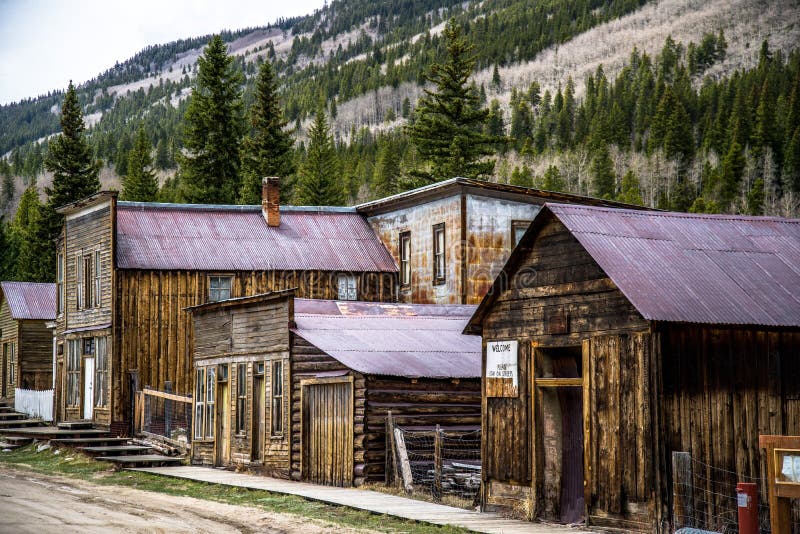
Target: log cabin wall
{"points": [[35, 355], [425, 402], [558, 297], [722, 387], [243, 338], [153, 330], [9, 337]]}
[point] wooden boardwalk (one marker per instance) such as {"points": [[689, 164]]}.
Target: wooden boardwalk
{"points": [[371, 501]]}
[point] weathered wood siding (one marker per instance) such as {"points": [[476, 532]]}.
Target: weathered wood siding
{"points": [[247, 335], [9, 334], [153, 331], [35, 355], [556, 283], [722, 387]]}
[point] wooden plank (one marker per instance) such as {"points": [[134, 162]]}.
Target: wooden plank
{"points": [[405, 466]]}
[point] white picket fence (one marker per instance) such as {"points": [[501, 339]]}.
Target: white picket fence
{"points": [[34, 403]]}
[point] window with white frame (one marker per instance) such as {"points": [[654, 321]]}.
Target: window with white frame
{"points": [[60, 284], [405, 259], [276, 389], [438, 254], [204, 395], [241, 398], [101, 372], [219, 288], [73, 372], [79, 282], [96, 272], [88, 299], [211, 399], [348, 287]]}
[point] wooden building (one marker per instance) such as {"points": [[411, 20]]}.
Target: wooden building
{"points": [[615, 337], [26, 342], [302, 388], [127, 271], [450, 239]]}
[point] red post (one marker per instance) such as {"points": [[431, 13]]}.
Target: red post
{"points": [[747, 504]]}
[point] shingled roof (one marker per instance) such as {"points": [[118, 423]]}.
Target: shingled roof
{"points": [[408, 340], [681, 267], [237, 238], [32, 301]]}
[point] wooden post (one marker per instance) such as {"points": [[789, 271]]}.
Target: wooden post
{"points": [[168, 411], [682, 491], [134, 385], [779, 498], [437, 463], [390, 470], [405, 465]]}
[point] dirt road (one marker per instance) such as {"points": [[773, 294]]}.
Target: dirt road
{"points": [[34, 503]]}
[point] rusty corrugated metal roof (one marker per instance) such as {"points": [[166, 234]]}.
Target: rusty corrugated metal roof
{"points": [[414, 340], [237, 238], [28, 300], [681, 267]]}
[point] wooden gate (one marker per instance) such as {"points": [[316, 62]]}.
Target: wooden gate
{"points": [[327, 439]]}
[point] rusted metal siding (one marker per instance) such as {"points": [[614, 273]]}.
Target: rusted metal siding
{"points": [[681, 267], [419, 220], [490, 239], [28, 300]]}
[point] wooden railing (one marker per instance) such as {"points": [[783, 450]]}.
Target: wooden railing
{"points": [[163, 415]]}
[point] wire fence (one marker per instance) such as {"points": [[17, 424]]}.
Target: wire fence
{"points": [[440, 462], [705, 497], [165, 416]]}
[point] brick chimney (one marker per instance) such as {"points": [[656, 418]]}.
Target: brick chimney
{"points": [[271, 200]]}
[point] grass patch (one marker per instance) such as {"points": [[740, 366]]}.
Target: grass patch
{"points": [[70, 463]]}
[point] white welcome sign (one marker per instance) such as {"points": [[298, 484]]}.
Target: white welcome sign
{"points": [[501, 362]]}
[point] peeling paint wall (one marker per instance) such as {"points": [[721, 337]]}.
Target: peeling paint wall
{"points": [[489, 237]]}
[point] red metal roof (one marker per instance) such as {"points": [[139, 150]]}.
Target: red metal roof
{"points": [[237, 238], [409, 340], [30, 301], [681, 267]]}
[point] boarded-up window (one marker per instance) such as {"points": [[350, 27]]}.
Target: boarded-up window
{"points": [[219, 288], [60, 284], [438, 254], [241, 398], [73, 372], [101, 372], [348, 287], [276, 387], [405, 259]]}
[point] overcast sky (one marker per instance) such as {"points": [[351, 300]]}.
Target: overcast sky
{"points": [[45, 43]]}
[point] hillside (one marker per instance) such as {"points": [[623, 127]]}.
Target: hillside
{"points": [[365, 59]]}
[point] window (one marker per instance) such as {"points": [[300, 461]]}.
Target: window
{"points": [[96, 271], [73, 372], [88, 346], [241, 397], [12, 364], [199, 402], [88, 301], [518, 229], [79, 284], [438, 254], [405, 259], [211, 392], [101, 372], [60, 284], [219, 288], [276, 387], [348, 287]]}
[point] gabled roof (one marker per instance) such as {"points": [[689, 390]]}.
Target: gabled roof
{"points": [[408, 340], [681, 267], [28, 300], [237, 238]]}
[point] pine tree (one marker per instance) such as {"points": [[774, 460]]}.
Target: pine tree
{"points": [[75, 176], [791, 162], [496, 82], [8, 258], [406, 109], [522, 176], [210, 169], [552, 180], [629, 189], [25, 229], [732, 170], [267, 149], [602, 171], [449, 128], [387, 170], [141, 183], [755, 198], [320, 177]]}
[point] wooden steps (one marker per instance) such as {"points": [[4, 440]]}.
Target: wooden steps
{"points": [[19, 423], [75, 425], [142, 460], [88, 442], [9, 416], [116, 450], [46, 433]]}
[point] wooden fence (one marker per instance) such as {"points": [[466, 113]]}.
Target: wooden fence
{"points": [[34, 403], [163, 415]]}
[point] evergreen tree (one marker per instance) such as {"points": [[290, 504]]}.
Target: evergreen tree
{"points": [[406, 110], [552, 180], [732, 171], [267, 149], [629, 189], [755, 198], [449, 128], [141, 183], [320, 177], [162, 160], [8, 258], [387, 171], [75, 176], [496, 82], [522, 176], [25, 228], [791, 162], [210, 170], [602, 171]]}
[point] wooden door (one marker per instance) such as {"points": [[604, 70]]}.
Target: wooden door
{"points": [[259, 426], [327, 437], [223, 424], [88, 388]]}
